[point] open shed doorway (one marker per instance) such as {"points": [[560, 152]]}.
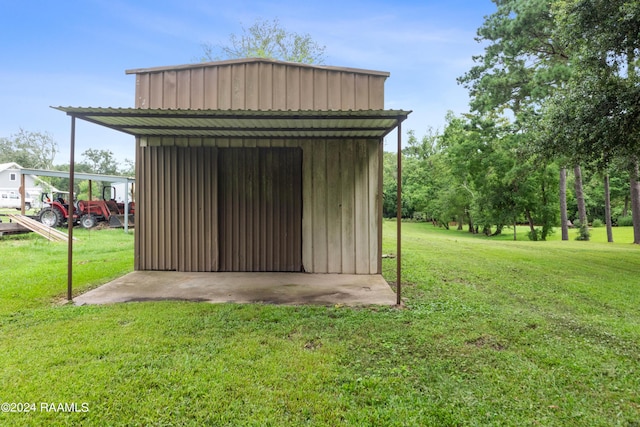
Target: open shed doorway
{"points": [[260, 209]]}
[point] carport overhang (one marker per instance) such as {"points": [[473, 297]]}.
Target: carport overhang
{"points": [[258, 124]]}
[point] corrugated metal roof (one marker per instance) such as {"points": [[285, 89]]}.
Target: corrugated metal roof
{"points": [[243, 123]]}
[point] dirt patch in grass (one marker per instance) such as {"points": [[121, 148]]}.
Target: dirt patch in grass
{"points": [[487, 341]]}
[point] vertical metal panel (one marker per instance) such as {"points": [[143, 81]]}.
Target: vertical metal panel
{"points": [[196, 89], [376, 92], [265, 91], [260, 219], [139, 183], [181, 209], [158, 217], [170, 90], [183, 89], [238, 84], [341, 203], [154, 212], [319, 206], [293, 88], [143, 219], [171, 174], [142, 91], [347, 227], [334, 207], [320, 84], [373, 220], [279, 87], [307, 207], [361, 92], [334, 90], [347, 91], [306, 89], [156, 90], [252, 84], [176, 213], [210, 87], [361, 208], [224, 88]]}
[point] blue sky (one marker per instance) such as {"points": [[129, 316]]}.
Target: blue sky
{"points": [[75, 52]]}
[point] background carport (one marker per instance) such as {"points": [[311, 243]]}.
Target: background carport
{"points": [[88, 177]]}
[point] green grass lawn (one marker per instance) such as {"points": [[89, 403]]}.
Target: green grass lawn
{"points": [[494, 332]]}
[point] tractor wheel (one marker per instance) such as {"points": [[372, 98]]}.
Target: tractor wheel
{"points": [[88, 221], [50, 217]]}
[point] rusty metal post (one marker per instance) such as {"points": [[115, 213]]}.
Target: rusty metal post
{"points": [[71, 209], [399, 221]]}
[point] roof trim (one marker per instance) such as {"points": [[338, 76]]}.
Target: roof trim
{"points": [[274, 124], [78, 175], [9, 166], [254, 60]]}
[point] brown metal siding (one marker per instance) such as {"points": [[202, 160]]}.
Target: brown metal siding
{"points": [[177, 212], [341, 199], [341, 216], [258, 85], [177, 199], [260, 211]]}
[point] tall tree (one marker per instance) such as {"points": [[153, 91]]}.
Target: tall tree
{"points": [[635, 200], [267, 39], [563, 204], [595, 115], [523, 63], [34, 150], [607, 207], [101, 162], [582, 211]]}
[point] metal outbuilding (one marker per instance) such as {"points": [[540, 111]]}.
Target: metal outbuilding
{"points": [[256, 165]]}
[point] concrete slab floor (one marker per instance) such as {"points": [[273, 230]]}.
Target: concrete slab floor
{"points": [[270, 288]]}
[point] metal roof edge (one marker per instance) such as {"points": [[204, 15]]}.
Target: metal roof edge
{"points": [[79, 175], [253, 60], [243, 112]]}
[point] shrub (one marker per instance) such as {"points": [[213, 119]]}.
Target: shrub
{"points": [[583, 233], [419, 216], [535, 235], [597, 223], [625, 221]]}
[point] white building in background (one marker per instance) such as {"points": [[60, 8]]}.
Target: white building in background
{"points": [[10, 187]]}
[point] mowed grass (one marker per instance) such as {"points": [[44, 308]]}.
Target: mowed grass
{"points": [[494, 332]]}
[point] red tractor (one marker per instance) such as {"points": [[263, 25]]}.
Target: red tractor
{"points": [[55, 211], [89, 212], [94, 211]]}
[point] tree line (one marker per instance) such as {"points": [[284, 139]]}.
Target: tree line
{"points": [[478, 175], [555, 90]]}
